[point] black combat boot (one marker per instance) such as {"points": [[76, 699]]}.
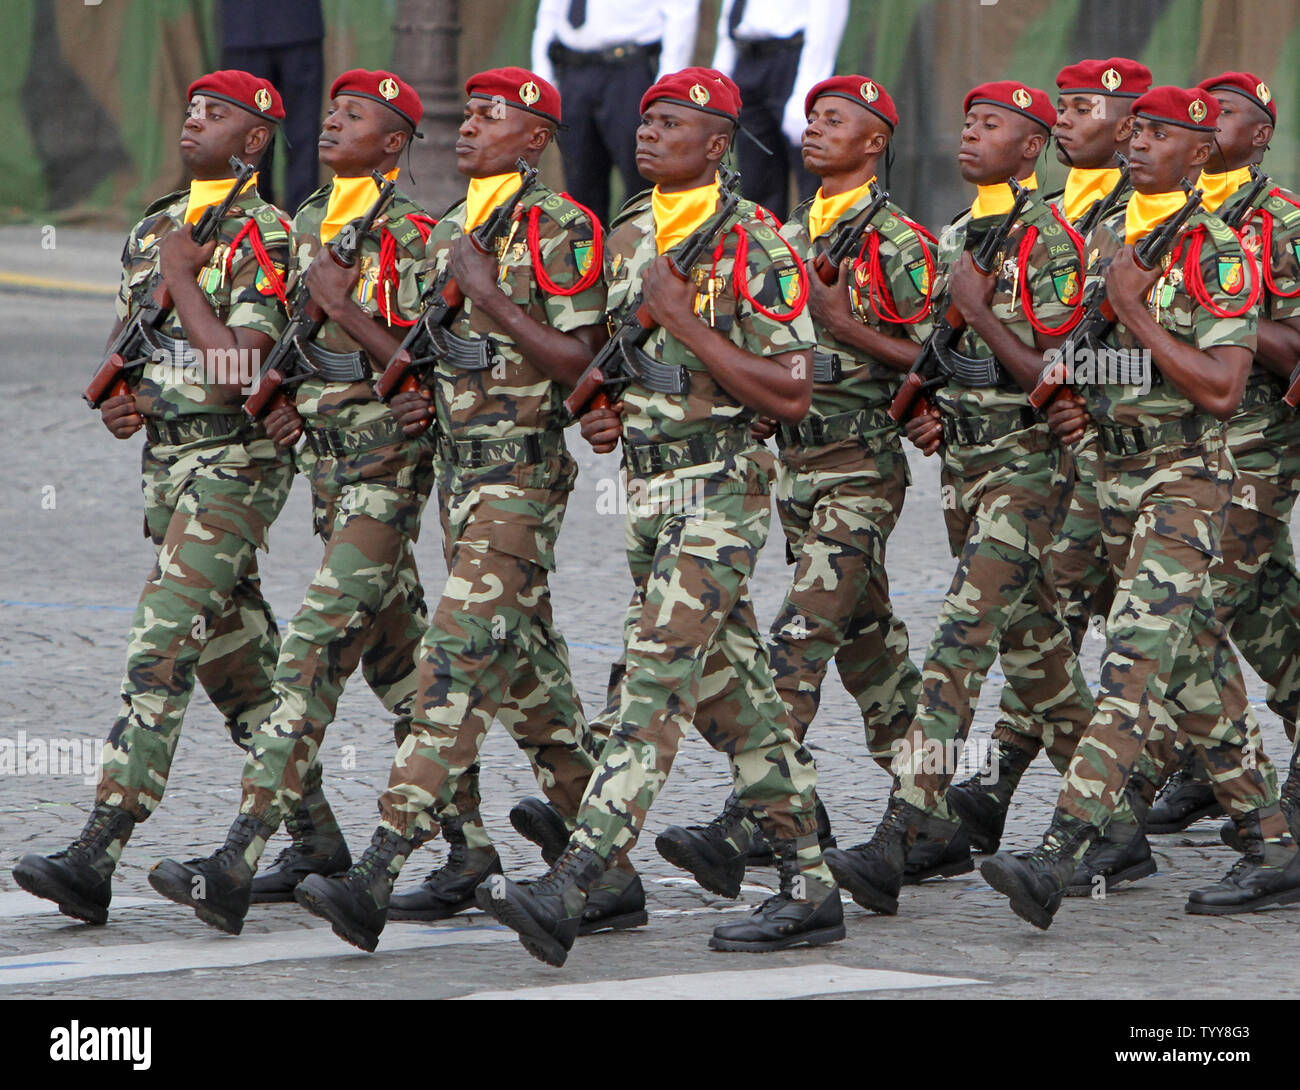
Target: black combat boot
{"points": [[982, 806], [220, 887], [356, 902], [714, 854], [1266, 874], [1119, 854], [937, 857], [873, 872], [547, 914], [316, 847], [450, 888], [791, 918], [79, 879], [1289, 801], [615, 903], [1036, 881], [1185, 798], [540, 822]]}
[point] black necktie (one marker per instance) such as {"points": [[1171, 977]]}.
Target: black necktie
{"points": [[737, 14], [577, 13]]}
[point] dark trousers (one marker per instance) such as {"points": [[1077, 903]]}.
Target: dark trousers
{"points": [[298, 73], [602, 109], [765, 80]]}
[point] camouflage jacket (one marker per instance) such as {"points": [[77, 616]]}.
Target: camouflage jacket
{"points": [[239, 290], [866, 382]]}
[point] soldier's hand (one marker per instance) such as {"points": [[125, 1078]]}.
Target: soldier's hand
{"points": [[413, 410], [669, 298], [180, 256], [1127, 282], [120, 416], [1067, 417], [829, 303], [972, 291], [330, 283], [925, 431], [475, 273], [602, 428], [762, 428], [283, 424]]}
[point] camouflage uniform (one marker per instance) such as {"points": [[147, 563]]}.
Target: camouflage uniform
{"points": [[493, 650], [213, 484], [840, 487], [1164, 485], [369, 486], [693, 534], [1005, 494]]}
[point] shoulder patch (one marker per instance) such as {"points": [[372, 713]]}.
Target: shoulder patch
{"points": [[563, 212]]}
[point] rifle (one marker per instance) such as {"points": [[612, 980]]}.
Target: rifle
{"points": [[1102, 208], [848, 240], [950, 325], [132, 346], [1243, 207], [441, 303], [289, 354], [1098, 313], [614, 368]]}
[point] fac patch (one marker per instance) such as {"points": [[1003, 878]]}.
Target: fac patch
{"points": [[920, 275], [1231, 274], [582, 252], [263, 283], [1066, 283], [789, 281]]}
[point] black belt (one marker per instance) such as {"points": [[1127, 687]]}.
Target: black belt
{"points": [[1122, 439], [531, 449], [978, 431], [344, 442], [662, 378], [616, 54], [337, 366], [463, 353], [871, 427], [827, 366], [649, 459], [190, 429], [761, 46]]}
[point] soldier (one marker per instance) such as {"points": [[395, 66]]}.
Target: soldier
{"points": [[365, 604], [213, 481], [1005, 496], [1163, 486], [1094, 111], [842, 475], [730, 341]]}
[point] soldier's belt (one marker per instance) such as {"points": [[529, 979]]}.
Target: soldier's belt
{"points": [[615, 54], [662, 378], [978, 431], [513, 449], [190, 429], [1122, 439], [826, 366], [464, 353], [343, 442], [338, 366], [648, 459], [871, 427]]}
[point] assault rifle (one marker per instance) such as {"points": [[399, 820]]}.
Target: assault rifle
{"points": [[615, 366], [938, 354], [1102, 208], [1098, 314], [1243, 207], [848, 239], [132, 346], [441, 302], [288, 356]]}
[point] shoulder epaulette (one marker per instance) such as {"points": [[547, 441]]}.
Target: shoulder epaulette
{"points": [[403, 230], [163, 202], [269, 223], [637, 203], [320, 196], [562, 210]]}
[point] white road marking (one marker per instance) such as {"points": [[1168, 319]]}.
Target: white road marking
{"points": [[786, 983]]}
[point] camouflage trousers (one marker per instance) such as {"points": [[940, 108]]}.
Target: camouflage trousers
{"points": [[201, 612], [838, 506], [693, 620], [1081, 570], [493, 652], [1002, 515], [365, 606], [1162, 516]]}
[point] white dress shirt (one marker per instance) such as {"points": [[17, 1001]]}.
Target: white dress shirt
{"points": [[618, 22], [822, 23]]}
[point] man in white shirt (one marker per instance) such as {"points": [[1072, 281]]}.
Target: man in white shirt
{"points": [[776, 50], [603, 55]]}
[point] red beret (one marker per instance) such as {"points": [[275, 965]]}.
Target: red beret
{"points": [[519, 88], [865, 92], [249, 92], [704, 89], [1190, 109], [384, 87], [1246, 84], [1118, 76], [1029, 102]]}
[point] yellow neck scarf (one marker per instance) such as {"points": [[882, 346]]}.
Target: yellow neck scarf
{"points": [[826, 211], [1146, 211], [996, 200], [1085, 187], [349, 199], [203, 195], [1219, 187], [678, 214], [486, 193]]}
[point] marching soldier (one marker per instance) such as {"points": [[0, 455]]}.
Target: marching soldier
{"points": [[731, 341], [1005, 492], [1163, 486], [365, 605], [213, 482]]}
